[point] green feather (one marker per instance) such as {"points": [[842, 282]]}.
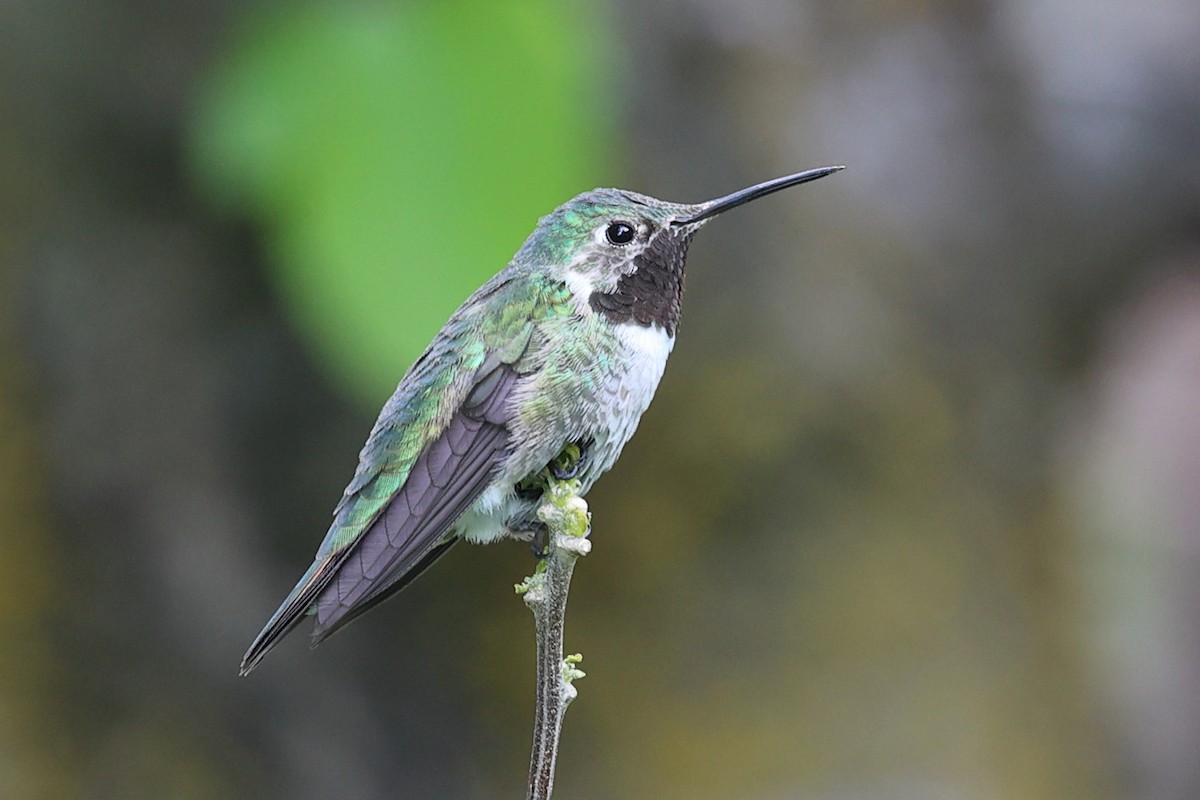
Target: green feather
{"points": [[436, 385]]}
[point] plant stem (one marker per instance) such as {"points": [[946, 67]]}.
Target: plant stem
{"points": [[568, 522]]}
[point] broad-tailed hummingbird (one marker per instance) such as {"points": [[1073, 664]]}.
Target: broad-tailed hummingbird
{"points": [[562, 350]]}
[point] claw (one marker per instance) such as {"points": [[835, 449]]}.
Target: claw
{"points": [[540, 541]]}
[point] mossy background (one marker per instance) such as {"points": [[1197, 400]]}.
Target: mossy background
{"points": [[914, 513]]}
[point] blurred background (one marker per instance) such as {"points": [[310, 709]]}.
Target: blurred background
{"points": [[916, 513]]}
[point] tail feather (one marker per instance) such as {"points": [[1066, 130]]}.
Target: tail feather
{"points": [[291, 611]]}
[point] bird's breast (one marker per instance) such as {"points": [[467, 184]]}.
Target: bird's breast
{"points": [[646, 348], [592, 385], [593, 381], [625, 390]]}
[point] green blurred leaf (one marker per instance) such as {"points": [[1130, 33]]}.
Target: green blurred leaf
{"points": [[398, 155]]}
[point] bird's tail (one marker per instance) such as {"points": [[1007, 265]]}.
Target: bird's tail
{"points": [[290, 612]]}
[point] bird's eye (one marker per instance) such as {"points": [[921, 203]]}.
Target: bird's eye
{"points": [[619, 232]]}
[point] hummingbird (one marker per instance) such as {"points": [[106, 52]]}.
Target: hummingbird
{"points": [[559, 352]]}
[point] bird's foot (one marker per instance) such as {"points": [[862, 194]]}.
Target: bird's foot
{"points": [[571, 461], [536, 533], [530, 488]]}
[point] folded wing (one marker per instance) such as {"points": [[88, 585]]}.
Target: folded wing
{"points": [[446, 479], [408, 531]]}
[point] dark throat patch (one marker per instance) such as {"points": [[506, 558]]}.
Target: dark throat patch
{"points": [[653, 292]]}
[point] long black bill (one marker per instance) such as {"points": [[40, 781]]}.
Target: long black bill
{"points": [[721, 204]]}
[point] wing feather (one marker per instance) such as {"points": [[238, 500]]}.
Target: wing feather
{"points": [[411, 528]]}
